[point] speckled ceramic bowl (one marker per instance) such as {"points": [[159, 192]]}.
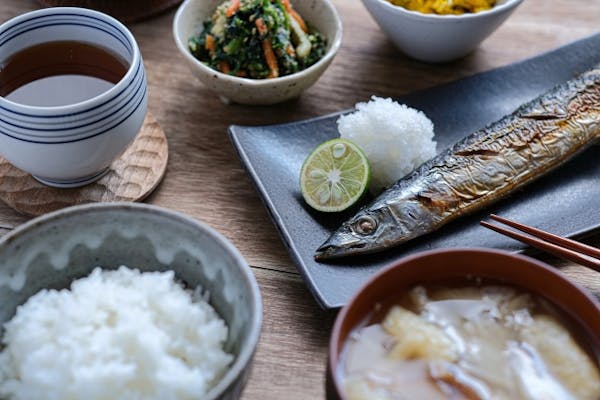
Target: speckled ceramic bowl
{"points": [[53, 250], [440, 266], [437, 38], [319, 13]]}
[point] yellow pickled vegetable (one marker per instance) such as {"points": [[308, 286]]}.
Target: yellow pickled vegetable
{"points": [[445, 6]]}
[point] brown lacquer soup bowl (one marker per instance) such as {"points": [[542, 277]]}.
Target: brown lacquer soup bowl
{"points": [[577, 310]]}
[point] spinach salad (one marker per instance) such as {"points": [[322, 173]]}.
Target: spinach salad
{"points": [[257, 39]]}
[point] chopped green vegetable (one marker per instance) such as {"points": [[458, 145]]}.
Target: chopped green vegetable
{"points": [[257, 39]]}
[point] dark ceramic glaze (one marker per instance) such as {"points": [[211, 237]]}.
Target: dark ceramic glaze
{"points": [[443, 265], [564, 202]]}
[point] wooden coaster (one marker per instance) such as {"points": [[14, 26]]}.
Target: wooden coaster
{"points": [[126, 11], [132, 177]]}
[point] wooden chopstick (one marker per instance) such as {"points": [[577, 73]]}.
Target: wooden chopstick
{"points": [[559, 240], [559, 246]]}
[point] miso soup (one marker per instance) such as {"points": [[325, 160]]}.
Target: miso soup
{"points": [[467, 342]]}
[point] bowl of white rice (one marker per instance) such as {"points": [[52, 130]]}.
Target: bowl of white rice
{"points": [[126, 301]]}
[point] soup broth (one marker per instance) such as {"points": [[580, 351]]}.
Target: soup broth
{"points": [[467, 342], [59, 73]]}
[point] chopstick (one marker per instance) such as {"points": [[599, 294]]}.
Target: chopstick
{"points": [[559, 246]]}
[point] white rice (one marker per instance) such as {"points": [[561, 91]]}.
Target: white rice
{"points": [[395, 138], [115, 335]]}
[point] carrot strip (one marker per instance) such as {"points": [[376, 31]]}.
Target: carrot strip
{"points": [[270, 58], [294, 14], [260, 25], [233, 7], [224, 67], [267, 49], [290, 50], [286, 5], [210, 44]]}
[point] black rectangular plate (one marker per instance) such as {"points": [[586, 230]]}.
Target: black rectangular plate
{"points": [[566, 202]]}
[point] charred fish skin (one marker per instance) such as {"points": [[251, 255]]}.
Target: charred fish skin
{"points": [[478, 170]]}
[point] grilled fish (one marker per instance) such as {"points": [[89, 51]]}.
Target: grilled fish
{"points": [[478, 170]]}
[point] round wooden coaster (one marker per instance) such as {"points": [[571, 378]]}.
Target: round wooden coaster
{"points": [[126, 11], [131, 177]]}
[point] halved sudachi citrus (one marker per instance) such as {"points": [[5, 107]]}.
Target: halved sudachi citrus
{"points": [[334, 176]]}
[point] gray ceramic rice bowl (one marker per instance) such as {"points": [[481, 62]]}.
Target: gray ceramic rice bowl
{"points": [[55, 249]]}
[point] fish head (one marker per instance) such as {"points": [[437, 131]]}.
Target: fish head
{"points": [[377, 228]]}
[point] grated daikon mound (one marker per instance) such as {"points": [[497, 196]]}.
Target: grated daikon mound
{"points": [[395, 138], [115, 335]]}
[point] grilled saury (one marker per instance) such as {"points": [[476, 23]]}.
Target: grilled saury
{"points": [[480, 169]]}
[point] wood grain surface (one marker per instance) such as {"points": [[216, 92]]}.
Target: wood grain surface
{"points": [[131, 177], [205, 178]]}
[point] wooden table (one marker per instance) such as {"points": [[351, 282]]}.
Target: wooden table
{"points": [[205, 179]]}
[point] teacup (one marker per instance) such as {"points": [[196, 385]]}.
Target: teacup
{"points": [[71, 145]]}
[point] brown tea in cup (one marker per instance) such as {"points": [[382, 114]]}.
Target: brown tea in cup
{"points": [[60, 73]]}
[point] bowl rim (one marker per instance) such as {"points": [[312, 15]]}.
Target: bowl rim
{"points": [[82, 106], [417, 15], [333, 382], [333, 48], [248, 348]]}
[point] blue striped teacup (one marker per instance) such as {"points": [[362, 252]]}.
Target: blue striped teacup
{"points": [[74, 144]]}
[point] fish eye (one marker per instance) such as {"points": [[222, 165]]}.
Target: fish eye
{"points": [[365, 225]]}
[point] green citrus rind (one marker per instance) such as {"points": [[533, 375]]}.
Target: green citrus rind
{"points": [[334, 176]]}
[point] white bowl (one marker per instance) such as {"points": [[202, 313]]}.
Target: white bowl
{"points": [[320, 14], [53, 250], [437, 38], [72, 145]]}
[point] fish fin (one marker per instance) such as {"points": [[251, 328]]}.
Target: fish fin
{"points": [[548, 110], [437, 200], [544, 116], [477, 152]]}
